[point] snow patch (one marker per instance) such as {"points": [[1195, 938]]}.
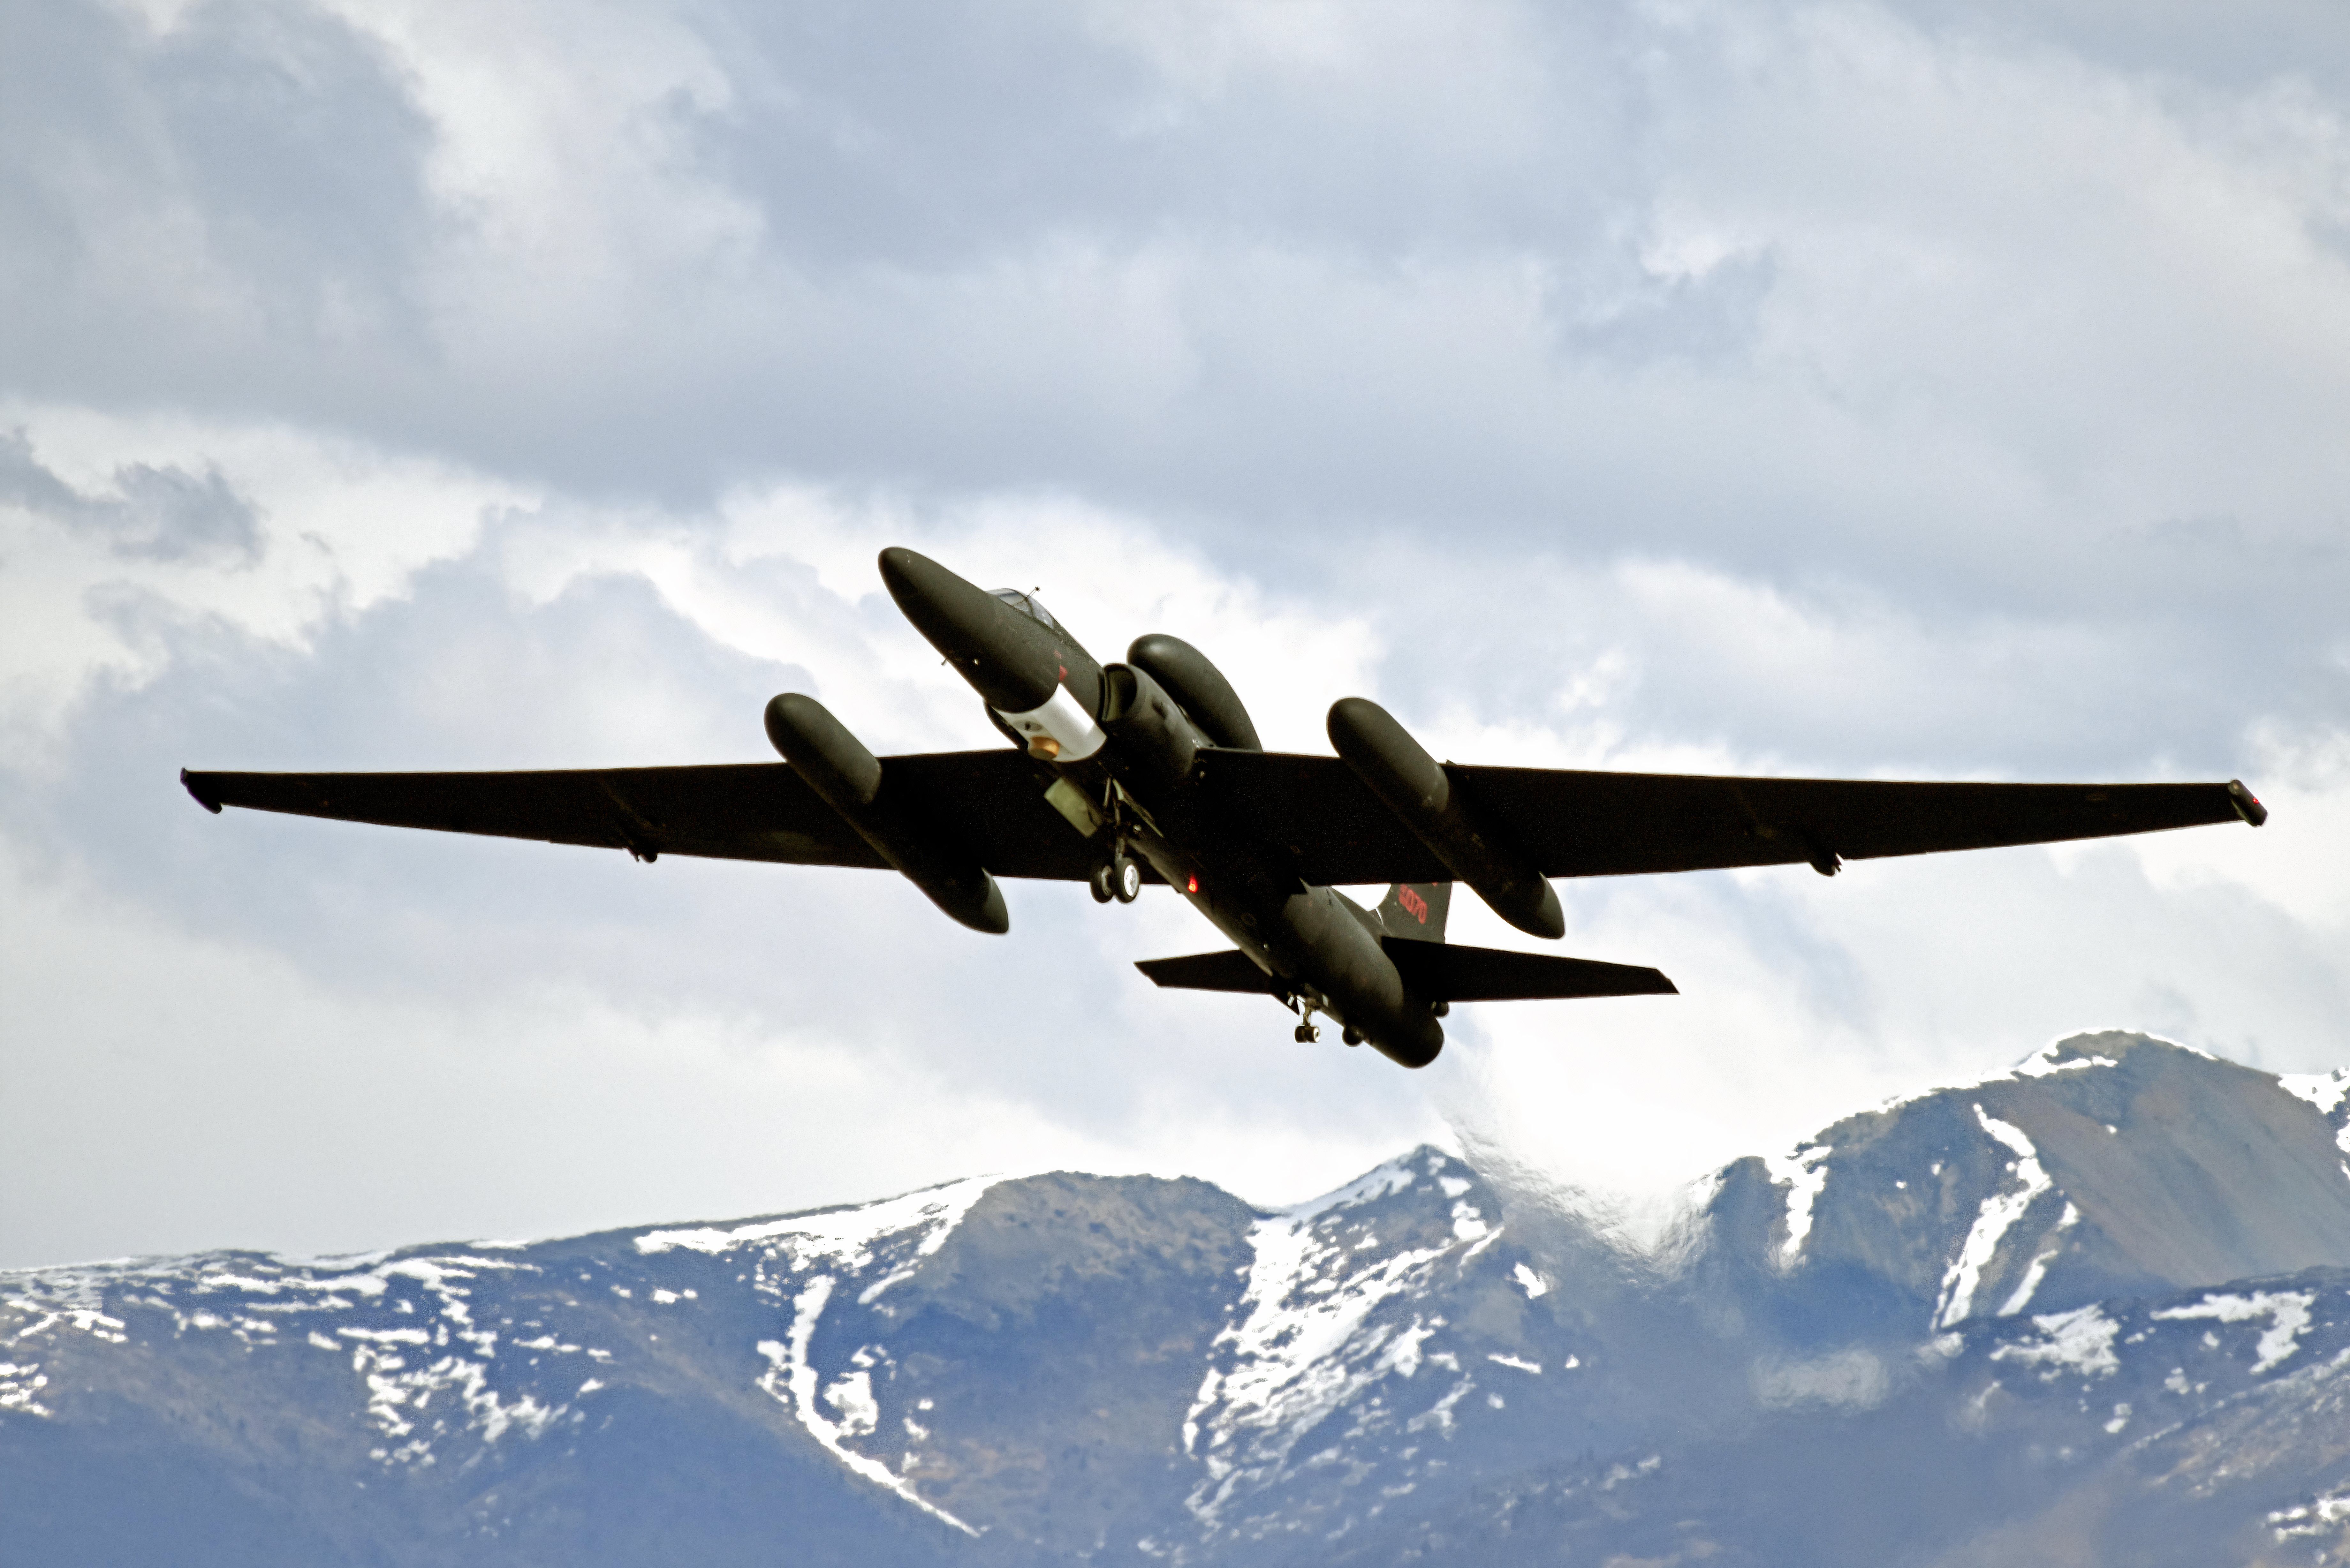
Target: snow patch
{"points": [[1805, 1174], [852, 1395], [2287, 1312], [791, 1382], [1305, 1340], [19, 1384], [847, 1238], [2318, 1517], [1997, 1215], [2080, 1341], [2324, 1090], [2050, 1246], [2043, 1063]]}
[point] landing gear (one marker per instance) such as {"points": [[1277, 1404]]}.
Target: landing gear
{"points": [[1118, 878], [1307, 1034]]}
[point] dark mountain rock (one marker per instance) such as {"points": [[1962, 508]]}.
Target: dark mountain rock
{"points": [[2108, 1165], [2096, 1310]]}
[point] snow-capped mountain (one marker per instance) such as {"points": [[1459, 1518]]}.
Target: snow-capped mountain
{"points": [[2105, 1165], [2095, 1309]]}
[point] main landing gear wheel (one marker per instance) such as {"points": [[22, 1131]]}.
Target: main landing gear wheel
{"points": [[1118, 878], [1125, 879], [1307, 1034]]}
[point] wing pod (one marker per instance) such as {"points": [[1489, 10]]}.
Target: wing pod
{"points": [[1410, 783], [1198, 686], [849, 779]]}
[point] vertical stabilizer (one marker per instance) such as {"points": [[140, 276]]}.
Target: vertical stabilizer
{"points": [[1416, 910]]}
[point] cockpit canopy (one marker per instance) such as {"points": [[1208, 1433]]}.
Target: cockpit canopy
{"points": [[1028, 605]]}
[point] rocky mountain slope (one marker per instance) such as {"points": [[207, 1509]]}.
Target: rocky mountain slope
{"points": [[2099, 1310]]}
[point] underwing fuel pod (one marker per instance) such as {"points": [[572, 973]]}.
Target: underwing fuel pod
{"points": [[1151, 772], [850, 779], [1408, 783]]}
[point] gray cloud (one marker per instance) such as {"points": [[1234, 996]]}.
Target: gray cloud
{"points": [[157, 514]]}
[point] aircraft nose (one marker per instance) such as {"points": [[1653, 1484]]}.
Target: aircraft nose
{"points": [[1007, 658]]}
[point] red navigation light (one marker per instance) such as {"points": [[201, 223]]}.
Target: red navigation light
{"points": [[1191, 884]]}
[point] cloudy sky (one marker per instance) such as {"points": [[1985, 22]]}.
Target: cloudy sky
{"points": [[1903, 389]]}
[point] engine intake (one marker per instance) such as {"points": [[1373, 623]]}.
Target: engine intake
{"points": [[1156, 746]]}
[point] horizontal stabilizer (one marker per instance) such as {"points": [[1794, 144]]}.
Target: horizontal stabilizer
{"points": [[1436, 970], [1228, 971], [1445, 973]]}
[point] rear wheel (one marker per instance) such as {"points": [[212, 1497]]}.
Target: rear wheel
{"points": [[1125, 878]]}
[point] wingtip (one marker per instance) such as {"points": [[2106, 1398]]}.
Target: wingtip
{"points": [[2248, 804], [188, 781]]}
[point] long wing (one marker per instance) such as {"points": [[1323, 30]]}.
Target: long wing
{"points": [[993, 801], [1313, 809], [1574, 824]]}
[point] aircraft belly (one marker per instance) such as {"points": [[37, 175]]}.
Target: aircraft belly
{"points": [[1310, 937]]}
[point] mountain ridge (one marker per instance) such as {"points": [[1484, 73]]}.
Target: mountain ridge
{"points": [[1971, 1282]]}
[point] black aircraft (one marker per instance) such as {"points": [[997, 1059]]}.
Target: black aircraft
{"points": [[1150, 771]]}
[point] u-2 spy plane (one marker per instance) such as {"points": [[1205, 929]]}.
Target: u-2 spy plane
{"points": [[1150, 771]]}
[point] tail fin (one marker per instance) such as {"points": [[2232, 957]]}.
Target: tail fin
{"points": [[1416, 910]]}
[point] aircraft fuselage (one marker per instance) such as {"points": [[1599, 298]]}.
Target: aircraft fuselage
{"points": [[1133, 750]]}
